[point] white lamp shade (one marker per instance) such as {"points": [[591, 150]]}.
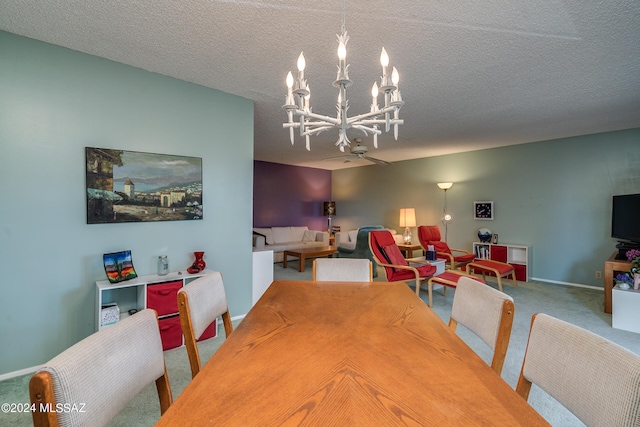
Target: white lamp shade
{"points": [[407, 217], [445, 185]]}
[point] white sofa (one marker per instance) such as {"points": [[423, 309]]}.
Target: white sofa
{"points": [[347, 239], [280, 239]]}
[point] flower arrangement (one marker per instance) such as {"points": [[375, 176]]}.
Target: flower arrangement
{"points": [[623, 280], [633, 256]]}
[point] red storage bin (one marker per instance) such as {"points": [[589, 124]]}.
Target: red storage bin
{"points": [[499, 253], [521, 272], [210, 332], [163, 297], [170, 332]]}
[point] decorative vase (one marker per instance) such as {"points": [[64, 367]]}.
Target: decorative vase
{"points": [[198, 265], [636, 281], [199, 262]]}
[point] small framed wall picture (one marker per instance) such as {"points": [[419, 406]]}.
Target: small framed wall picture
{"points": [[483, 210]]}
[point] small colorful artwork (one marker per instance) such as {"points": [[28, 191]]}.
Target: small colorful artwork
{"points": [[119, 266]]}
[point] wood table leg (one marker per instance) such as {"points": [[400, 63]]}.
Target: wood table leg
{"points": [[301, 269], [284, 261]]}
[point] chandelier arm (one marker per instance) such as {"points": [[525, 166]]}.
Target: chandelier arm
{"points": [[373, 114], [381, 121], [367, 130], [291, 125], [311, 115], [317, 124], [317, 130]]}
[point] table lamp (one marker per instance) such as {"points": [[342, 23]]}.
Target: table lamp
{"points": [[407, 219]]}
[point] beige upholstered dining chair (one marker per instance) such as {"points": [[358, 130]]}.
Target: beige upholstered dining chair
{"points": [[342, 270], [487, 312], [97, 377], [200, 302], [594, 378]]}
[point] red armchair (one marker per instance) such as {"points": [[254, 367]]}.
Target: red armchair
{"points": [[430, 235], [386, 253]]}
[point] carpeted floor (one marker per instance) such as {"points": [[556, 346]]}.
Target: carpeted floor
{"points": [[579, 306]]}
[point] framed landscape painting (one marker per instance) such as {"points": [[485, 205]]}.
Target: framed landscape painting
{"points": [[130, 186]]}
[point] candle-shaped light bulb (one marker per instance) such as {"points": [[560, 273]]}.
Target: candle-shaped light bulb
{"points": [[395, 77], [342, 51], [290, 80], [374, 95], [384, 58], [301, 65]]}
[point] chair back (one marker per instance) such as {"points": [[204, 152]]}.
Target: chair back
{"points": [[594, 378], [362, 239], [430, 235], [361, 249], [487, 312], [342, 270], [200, 303], [103, 373], [385, 249]]}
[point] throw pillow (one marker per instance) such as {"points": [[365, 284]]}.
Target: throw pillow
{"points": [[309, 236], [394, 255], [266, 232]]}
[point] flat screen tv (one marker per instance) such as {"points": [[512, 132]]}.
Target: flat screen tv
{"points": [[625, 218]]}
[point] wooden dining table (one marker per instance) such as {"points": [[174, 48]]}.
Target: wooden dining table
{"points": [[346, 354]]}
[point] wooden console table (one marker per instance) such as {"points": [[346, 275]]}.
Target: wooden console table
{"points": [[611, 266]]}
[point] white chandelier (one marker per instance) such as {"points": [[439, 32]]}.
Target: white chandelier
{"points": [[309, 123]]}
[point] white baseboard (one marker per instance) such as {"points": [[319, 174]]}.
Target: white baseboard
{"points": [[577, 285], [19, 373]]}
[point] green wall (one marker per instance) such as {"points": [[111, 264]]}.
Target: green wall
{"points": [[53, 103], [552, 195]]}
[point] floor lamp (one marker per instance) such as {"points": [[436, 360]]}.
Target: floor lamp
{"points": [[446, 217]]}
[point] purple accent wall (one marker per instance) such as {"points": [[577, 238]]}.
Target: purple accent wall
{"points": [[290, 195]]}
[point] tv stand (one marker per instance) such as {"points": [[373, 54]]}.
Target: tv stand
{"points": [[611, 266]]}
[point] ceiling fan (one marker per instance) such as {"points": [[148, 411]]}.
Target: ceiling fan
{"points": [[359, 152]]}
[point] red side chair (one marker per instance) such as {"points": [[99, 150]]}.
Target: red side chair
{"points": [[386, 253], [430, 235]]}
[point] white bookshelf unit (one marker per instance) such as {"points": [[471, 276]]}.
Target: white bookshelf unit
{"points": [[520, 256], [152, 291]]}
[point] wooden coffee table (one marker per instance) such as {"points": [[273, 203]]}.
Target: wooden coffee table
{"points": [[304, 253]]}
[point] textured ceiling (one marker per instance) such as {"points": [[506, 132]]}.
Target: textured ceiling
{"points": [[473, 74]]}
